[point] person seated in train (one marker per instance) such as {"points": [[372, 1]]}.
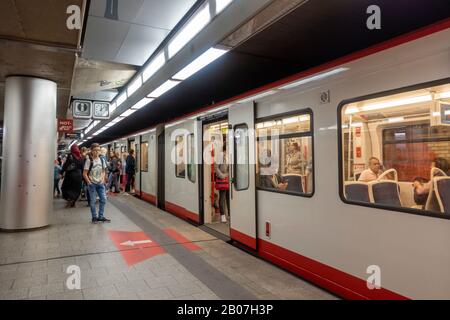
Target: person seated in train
{"points": [[294, 159], [268, 177], [423, 189], [420, 198], [373, 172]]}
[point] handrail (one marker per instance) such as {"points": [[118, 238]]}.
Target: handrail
{"points": [[384, 174]]}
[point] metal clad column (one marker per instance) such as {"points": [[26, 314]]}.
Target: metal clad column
{"points": [[29, 151]]}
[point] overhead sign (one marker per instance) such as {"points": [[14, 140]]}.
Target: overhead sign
{"points": [[135, 247], [101, 110], [82, 109], [73, 136], [65, 125]]}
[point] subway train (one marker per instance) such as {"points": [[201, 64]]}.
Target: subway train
{"points": [[299, 152]]}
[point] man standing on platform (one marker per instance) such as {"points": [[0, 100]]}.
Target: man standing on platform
{"points": [[95, 176]]}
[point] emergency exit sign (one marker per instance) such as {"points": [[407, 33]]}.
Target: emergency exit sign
{"points": [[65, 125]]}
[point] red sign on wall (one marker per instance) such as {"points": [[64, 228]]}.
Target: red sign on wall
{"points": [[358, 152], [65, 125]]}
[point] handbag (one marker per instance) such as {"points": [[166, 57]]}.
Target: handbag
{"points": [[222, 184]]}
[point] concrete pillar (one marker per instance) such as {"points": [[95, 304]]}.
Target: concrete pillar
{"points": [[28, 153]]}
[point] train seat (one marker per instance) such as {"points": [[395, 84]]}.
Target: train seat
{"points": [[442, 190], [357, 191], [295, 182], [385, 192]]}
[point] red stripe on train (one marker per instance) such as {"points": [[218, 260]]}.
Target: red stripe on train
{"points": [[182, 212], [243, 238], [332, 279], [148, 197]]}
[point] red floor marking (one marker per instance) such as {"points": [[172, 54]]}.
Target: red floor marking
{"points": [[135, 247], [182, 240]]}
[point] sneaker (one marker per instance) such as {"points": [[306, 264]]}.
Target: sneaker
{"points": [[223, 218], [94, 220], [103, 219]]}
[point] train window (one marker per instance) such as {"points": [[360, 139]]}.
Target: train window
{"points": [[180, 166], [285, 155], [395, 150], [144, 156], [191, 158], [241, 147]]}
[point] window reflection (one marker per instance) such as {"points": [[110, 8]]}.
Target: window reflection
{"points": [[396, 150], [285, 155]]}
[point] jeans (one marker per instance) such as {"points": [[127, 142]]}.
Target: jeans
{"points": [[56, 186], [95, 189], [224, 201], [113, 180], [130, 182]]}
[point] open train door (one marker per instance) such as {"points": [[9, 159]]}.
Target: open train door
{"points": [[242, 172], [137, 155]]}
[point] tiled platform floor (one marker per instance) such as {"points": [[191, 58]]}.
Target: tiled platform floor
{"points": [[33, 264]]}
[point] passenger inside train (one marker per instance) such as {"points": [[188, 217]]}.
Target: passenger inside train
{"points": [[410, 133], [285, 155], [216, 177]]}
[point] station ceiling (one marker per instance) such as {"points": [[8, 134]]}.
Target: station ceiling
{"points": [[35, 41], [314, 33]]}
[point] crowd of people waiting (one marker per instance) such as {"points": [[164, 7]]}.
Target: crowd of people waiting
{"points": [[92, 173]]}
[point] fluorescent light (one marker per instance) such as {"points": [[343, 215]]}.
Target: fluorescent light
{"points": [[121, 99], [269, 124], [199, 63], [290, 120], [396, 119], [142, 103], [447, 113], [389, 104], [127, 113], [304, 118], [396, 103], [166, 86], [136, 84], [189, 31], [357, 124], [314, 78], [117, 120], [89, 138], [112, 108], [222, 4], [109, 125], [154, 66], [444, 95], [258, 96], [351, 110], [436, 114]]}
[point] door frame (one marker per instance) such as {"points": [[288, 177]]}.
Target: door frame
{"points": [[232, 170], [161, 172], [214, 118]]}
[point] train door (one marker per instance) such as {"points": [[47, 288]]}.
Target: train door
{"points": [[137, 180], [161, 172], [242, 189], [216, 195]]}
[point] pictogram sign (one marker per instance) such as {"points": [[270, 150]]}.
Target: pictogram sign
{"points": [[135, 247]]}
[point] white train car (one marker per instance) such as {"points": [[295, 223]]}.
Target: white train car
{"points": [[323, 172]]}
